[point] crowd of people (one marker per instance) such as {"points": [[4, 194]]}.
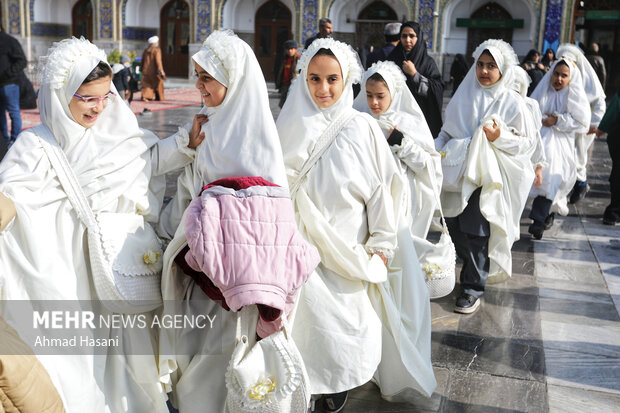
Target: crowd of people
{"points": [[312, 220]]}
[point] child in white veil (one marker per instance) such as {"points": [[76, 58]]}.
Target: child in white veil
{"points": [[566, 111], [240, 140], [405, 128], [43, 251], [485, 141], [364, 312]]}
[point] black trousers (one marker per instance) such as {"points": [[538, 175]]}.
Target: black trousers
{"points": [[540, 208], [470, 233], [613, 209]]}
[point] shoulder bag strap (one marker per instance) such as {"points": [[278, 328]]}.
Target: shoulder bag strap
{"points": [[321, 146], [67, 177], [431, 167]]}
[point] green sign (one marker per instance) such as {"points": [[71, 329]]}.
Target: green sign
{"points": [[490, 23], [603, 15]]}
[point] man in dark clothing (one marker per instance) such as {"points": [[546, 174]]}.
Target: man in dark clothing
{"points": [[597, 63], [287, 70], [391, 33], [325, 30], [12, 63], [535, 70]]}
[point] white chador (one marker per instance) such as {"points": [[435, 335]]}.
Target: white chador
{"points": [[44, 251], [596, 98], [521, 84], [502, 168], [354, 319], [240, 140], [416, 156], [570, 105]]}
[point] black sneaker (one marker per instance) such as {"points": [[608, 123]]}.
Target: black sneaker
{"points": [[610, 220], [335, 402], [466, 304], [549, 220], [580, 190], [536, 229]]}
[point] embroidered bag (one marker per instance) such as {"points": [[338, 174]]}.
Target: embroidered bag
{"points": [[438, 261], [268, 376], [125, 252]]}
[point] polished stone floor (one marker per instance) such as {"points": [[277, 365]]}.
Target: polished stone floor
{"points": [[547, 340]]}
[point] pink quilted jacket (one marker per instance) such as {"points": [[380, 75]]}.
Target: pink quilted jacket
{"points": [[242, 234]]}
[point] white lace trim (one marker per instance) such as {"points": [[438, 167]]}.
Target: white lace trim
{"points": [[348, 58], [221, 46], [398, 78], [509, 55], [56, 66]]}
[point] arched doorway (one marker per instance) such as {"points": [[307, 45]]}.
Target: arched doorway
{"points": [[370, 24], [174, 41], [273, 28], [82, 18], [486, 16]]}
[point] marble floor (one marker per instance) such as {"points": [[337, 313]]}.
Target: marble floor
{"points": [[546, 340]]}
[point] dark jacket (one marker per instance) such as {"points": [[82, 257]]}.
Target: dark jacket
{"points": [[280, 74], [12, 60], [379, 55]]}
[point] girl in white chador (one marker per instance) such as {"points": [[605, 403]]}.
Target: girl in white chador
{"points": [[566, 112], [385, 96], [241, 140], [596, 99], [486, 147], [44, 252], [521, 84], [365, 311]]}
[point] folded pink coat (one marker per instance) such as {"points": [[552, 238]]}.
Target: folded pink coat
{"points": [[246, 241]]}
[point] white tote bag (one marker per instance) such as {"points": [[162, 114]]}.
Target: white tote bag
{"points": [[268, 376]]}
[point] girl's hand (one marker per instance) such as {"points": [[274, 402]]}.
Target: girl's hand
{"points": [[550, 120], [409, 68], [492, 132], [383, 258], [538, 179], [599, 133], [7, 211], [195, 136]]}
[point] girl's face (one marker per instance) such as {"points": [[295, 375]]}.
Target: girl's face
{"points": [[325, 81], [560, 78], [212, 91], [86, 113], [378, 96], [487, 71], [408, 38], [550, 54]]}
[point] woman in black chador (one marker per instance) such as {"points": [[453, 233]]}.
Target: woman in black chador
{"points": [[423, 78]]}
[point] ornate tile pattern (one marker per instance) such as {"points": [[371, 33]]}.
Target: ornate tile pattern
{"points": [[310, 19], [15, 27], [553, 24], [105, 19], [138, 33], [425, 18], [203, 19], [50, 30]]}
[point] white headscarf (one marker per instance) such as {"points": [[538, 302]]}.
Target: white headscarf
{"points": [[301, 122], [107, 157], [404, 112], [240, 137], [471, 101], [591, 84], [571, 99]]}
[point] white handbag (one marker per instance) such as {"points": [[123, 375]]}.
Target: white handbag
{"points": [[268, 376], [125, 252], [453, 156], [438, 261]]}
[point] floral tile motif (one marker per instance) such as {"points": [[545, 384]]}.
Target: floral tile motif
{"points": [[15, 27], [310, 19], [105, 20], [425, 18], [552, 24], [203, 19]]}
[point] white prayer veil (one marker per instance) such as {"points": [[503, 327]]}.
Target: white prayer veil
{"points": [[404, 112], [107, 157], [301, 121], [591, 84], [240, 137], [471, 101], [571, 99]]}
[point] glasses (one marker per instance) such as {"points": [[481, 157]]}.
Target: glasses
{"points": [[94, 101]]}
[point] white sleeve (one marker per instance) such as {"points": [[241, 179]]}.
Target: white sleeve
{"points": [[567, 124], [172, 153], [598, 108], [411, 154]]}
